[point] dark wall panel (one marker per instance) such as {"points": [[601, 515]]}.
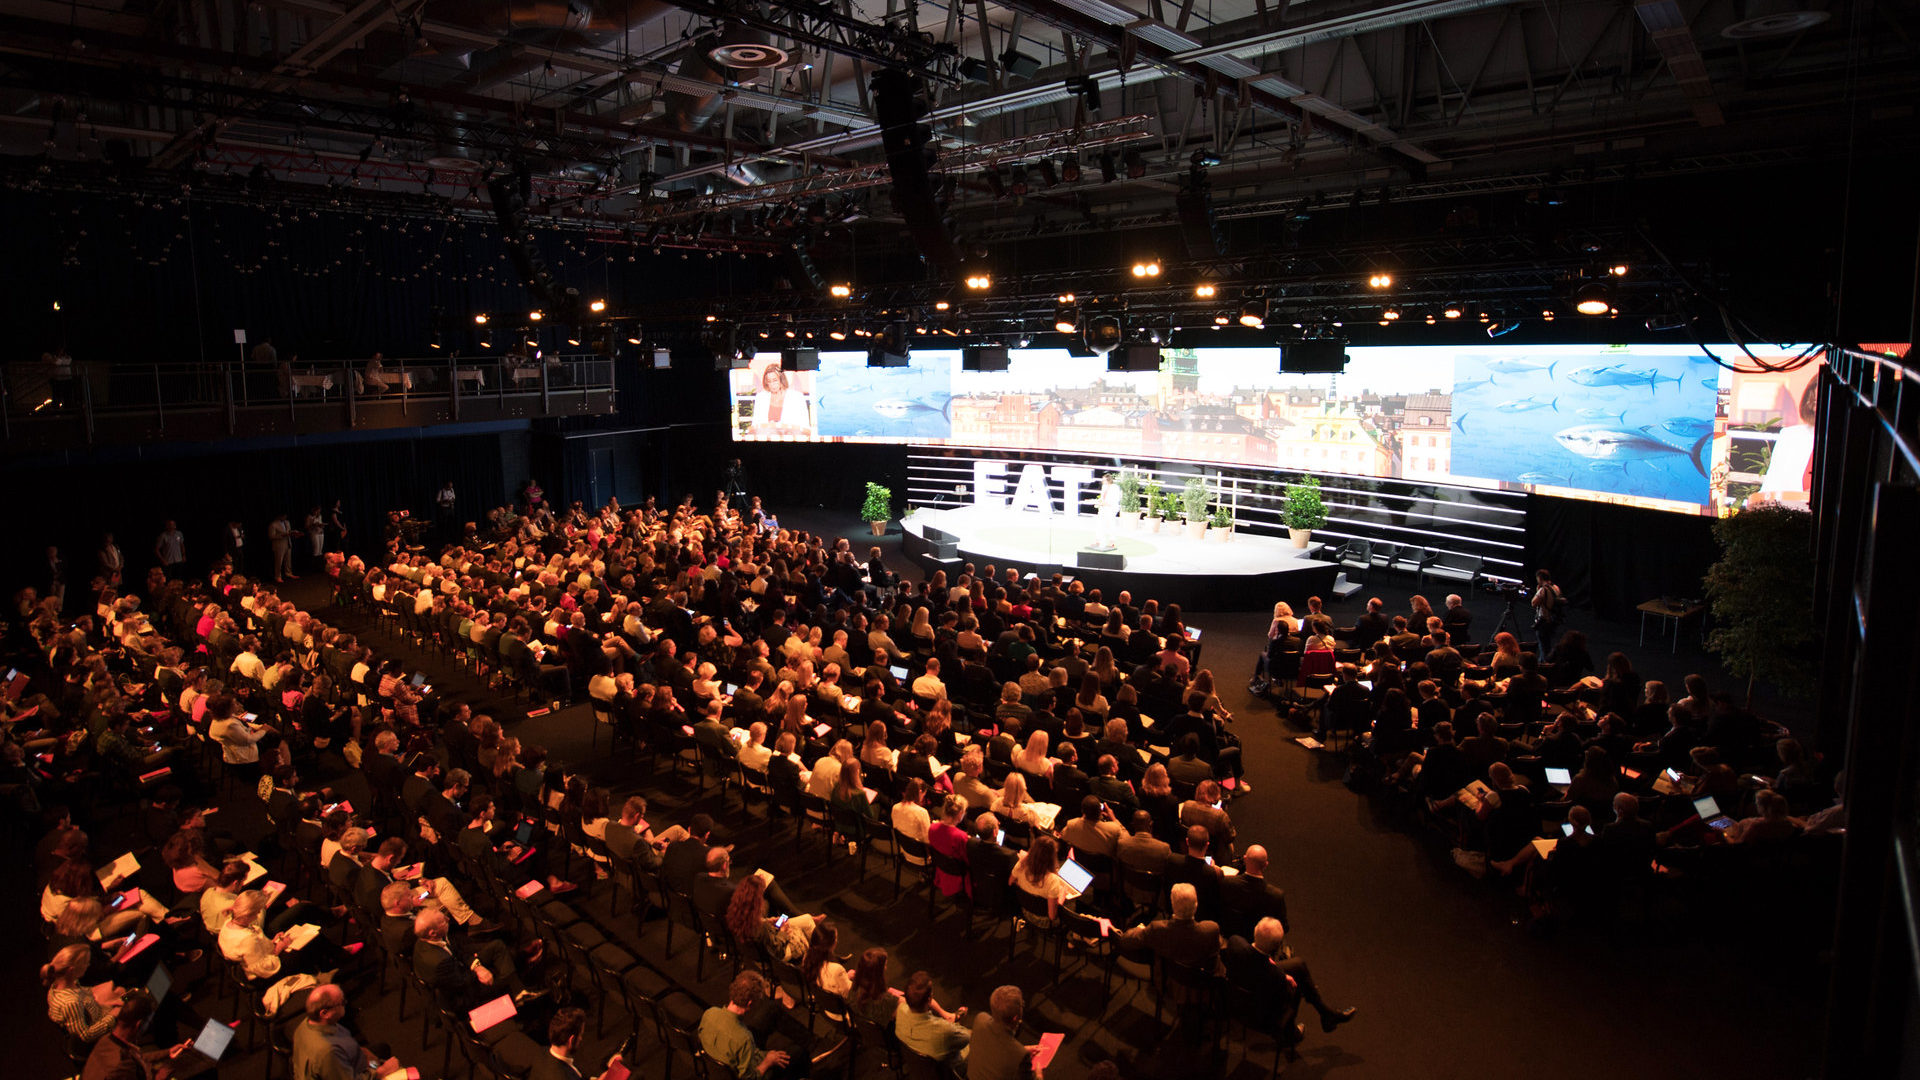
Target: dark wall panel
{"points": [[132, 494]]}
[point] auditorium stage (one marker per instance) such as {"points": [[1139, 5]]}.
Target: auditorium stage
{"points": [[1246, 573]]}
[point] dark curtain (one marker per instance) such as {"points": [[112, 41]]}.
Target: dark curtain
{"points": [[1614, 558], [132, 494]]}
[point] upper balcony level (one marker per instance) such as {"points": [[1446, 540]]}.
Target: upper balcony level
{"points": [[49, 406]]}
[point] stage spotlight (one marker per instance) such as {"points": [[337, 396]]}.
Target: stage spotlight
{"points": [[979, 282], [941, 305], [480, 319], [1547, 314], [597, 306], [1104, 334], [486, 339], [633, 336], [1147, 269], [1389, 315], [1484, 317], [1592, 299], [1048, 177], [1107, 168], [995, 184], [1453, 311], [1070, 169], [1066, 315], [1431, 320], [713, 318], [1618, 269], [1221, 320], [1136, 165], [1380, 281], [1017, 181], [573, 337], [841, 291], [1253, 313], [1204, 291], [536, 316], [436, 340]]}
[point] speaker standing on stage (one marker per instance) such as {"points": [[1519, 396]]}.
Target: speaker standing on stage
{"points": [[1106, 514]]}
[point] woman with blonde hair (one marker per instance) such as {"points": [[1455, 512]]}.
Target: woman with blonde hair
{"points": [[83, 1013], [1032, 758]]}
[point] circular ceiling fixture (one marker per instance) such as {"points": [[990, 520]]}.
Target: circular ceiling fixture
{"points": [[1771, 18], [746, 48]]}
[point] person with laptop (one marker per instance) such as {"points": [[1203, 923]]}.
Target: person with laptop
{"points": [[1773, 822], [323, 1049], [119, 1055]]}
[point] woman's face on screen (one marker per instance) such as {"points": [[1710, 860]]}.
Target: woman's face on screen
{"points": [[773, 378]]}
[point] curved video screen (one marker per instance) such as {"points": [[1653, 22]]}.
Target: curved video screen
{"points": [[1661, 426]]}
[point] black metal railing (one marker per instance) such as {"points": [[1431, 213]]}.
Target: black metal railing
{"points": [[103, 392]]}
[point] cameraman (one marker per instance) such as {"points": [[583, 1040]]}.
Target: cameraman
{"points": [[1549, 610]]}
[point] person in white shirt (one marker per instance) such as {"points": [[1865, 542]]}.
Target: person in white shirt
{"points": [[755, 755], [239, 740], [929, 684], [910, 818], [248, 664], [826, 771]]}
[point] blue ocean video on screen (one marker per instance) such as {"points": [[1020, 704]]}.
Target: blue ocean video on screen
{"points": [[852, 400], [1610, 422]]}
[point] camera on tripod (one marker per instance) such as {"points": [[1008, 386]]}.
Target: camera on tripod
{"points": [[1503, 588]]}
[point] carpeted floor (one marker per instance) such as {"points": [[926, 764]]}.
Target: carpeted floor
{"points": [[1449, 984]]}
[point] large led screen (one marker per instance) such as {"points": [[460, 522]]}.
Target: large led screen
{"points": [[1651, 425]]}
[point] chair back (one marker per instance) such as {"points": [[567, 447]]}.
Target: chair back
{"points": [[910, 851]]}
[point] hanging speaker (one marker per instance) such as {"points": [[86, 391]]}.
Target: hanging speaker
{"points": [[984, 358], [800, 359]]}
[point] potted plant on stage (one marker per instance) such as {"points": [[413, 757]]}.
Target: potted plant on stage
{"points": [[1151, 504], [1129, 499], [1193, 499], [877, 508], [1304, 512], [1221, 527]]}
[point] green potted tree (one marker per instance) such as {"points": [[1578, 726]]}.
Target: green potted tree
{"points": [[1193, 500], [1760, 589], [1150, 502], [877, 508], [1129, 499], [1221, 527], [1304, 511]]}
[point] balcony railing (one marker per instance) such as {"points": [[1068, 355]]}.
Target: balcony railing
{"points": [[48, 404]]}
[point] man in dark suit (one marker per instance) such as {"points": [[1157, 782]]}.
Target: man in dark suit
{"points": [[1457, 620], [383, 766], [712, 891], [557, 1062], [1113, 740], [1194, 869], [461, 984], [398, 906], [686, 858], [1140, 849], [344, 870], [1247, 897], [990, 863], [1269, 971], [1107, 786], [995, 1052], [1405, 642], [1371, 626], [1181, 939], [118, 1056]]}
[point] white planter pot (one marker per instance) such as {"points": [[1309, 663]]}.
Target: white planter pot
{"points": [[1300, 537], [1196, 530], [1220, 535]]}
